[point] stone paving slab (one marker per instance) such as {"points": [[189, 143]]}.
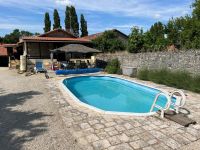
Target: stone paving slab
{"points": [[94, 130]]}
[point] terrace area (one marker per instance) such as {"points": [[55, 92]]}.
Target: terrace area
{"points": [[94, 130], [51, 119]]}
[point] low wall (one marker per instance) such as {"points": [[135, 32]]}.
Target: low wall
{"points": [[182, 60]]}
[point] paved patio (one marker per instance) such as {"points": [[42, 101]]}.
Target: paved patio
{"points": [[38, 114], [94, 130]]}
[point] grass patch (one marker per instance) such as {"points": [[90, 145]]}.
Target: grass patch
{"points": [[177, 79]]}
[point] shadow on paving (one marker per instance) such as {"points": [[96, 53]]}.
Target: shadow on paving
{"points": [[16, 126]]}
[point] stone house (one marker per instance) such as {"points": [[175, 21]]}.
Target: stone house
{"points": [[38, 47]]}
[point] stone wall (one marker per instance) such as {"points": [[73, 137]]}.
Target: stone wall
{"points": [[182, 60]]}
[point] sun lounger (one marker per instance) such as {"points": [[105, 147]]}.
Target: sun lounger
{"points": [[39, 67]]}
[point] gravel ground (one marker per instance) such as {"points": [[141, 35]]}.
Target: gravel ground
{"points": [[28, 118]]}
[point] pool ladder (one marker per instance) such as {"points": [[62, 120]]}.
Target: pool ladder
{"points": [[162, 109], [180, 102]]}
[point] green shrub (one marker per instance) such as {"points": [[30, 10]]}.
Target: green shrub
{"points": [[143, 74], [113, 67], [177, 79], [119, 71], [196, 84]]}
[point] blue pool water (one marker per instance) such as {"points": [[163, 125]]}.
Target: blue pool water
{"points": [[113, 94]]}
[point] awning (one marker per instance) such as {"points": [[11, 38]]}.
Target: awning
{"points": [[76, 48]]}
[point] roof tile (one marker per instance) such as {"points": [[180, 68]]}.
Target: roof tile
{"points": [[36, 38]]}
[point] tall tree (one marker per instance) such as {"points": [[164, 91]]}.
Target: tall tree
{"points": [[173, 35], [196, 9], [1, 39], [148, 42], [74, 21], [136, 41], [84, 31], [67, 18], [157, 32], [109, 42], [56, 18], [47, 22]]}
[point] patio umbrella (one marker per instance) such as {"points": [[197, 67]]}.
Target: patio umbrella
{"points": [[76, 48]]}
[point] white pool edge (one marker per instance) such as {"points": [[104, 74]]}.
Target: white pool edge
{"points": [[103, 111]]}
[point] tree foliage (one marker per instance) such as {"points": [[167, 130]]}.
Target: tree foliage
{"points": [[157, 32], [182, 32], [47, 22], [109, 42], [84, 31], [196, 9], [1, 39], [72, 24], [56, 19], [173, 32], [15, 35], [74, 21], [67, 18], [136, 40]]}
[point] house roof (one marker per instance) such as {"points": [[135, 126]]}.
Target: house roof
{"points": [[56, 39], [57, 30], [10, 45], [52, 36], [76, 48], [94, 36]]}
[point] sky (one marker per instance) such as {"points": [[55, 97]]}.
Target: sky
{"points": [[101, 15]]}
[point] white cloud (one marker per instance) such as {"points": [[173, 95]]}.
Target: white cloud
{"points": [[134, 8], [8, 26], [157, 16], [64, 2], [14, 22], [143, 9]]}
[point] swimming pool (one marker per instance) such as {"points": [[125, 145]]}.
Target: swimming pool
{"points": [[113, 94]]}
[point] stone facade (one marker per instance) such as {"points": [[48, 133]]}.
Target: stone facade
{"points": [[182, 60]]}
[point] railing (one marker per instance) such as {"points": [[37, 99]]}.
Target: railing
{"points": [[162, 109]]}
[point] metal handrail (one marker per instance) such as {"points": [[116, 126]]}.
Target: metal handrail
{"points": [[180, 102], [162, 109]]}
